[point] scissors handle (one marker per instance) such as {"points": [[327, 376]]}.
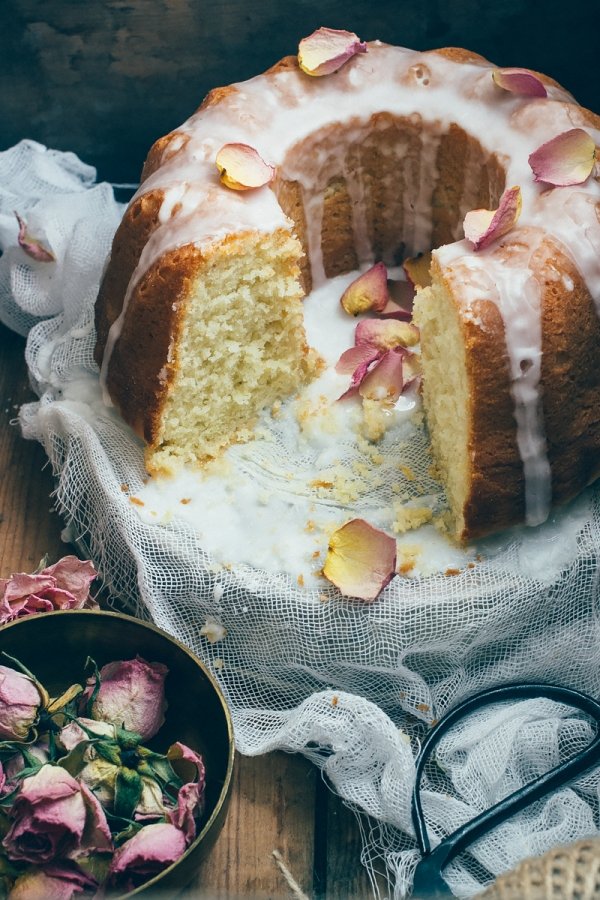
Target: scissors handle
{"points": [[428, 880]]}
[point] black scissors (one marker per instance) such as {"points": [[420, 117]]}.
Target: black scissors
{"points": [[428, 880]]}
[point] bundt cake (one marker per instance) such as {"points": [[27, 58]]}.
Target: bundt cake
{"points": [[199, 316]]}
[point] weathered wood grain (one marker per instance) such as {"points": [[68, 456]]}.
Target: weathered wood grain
{"points": [[29, 528], [106, 78]]}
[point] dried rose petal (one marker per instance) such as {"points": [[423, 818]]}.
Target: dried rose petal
{"points": [[327, 49], [32, 246], [368, 291], [567, 159], [361, 372], [417, 270], [386, 333], [361, 560], [520, 81], [391, 310], [356, 357], [483, 226], [384, 381], [242, 168]]}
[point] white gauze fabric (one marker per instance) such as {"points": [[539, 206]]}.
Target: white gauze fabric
{"points": [[352, 686]]}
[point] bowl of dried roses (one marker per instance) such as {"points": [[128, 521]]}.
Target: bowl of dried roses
{"points": [[116, 757]]}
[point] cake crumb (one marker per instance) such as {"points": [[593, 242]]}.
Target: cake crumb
{"points": [[300, 580], [407, 518], [124, 487], [185, 500], [136, 501]]}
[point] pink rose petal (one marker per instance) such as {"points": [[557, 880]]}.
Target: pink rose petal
{"points": [[354, 358], [367, 292], [402, 313], [483, 226], [567, 159], [361, 560], [242, 168], [360, 373], [189, 808], [384, 381], [520, 81], [326, 50], [32, 246], [386, 333]]}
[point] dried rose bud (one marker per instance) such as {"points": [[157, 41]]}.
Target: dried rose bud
{"points": [[21, 702], [55, 817], [131, 695]]}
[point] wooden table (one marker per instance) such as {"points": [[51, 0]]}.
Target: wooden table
{"points": [[280, 802]]}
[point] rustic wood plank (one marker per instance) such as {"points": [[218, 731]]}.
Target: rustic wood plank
{"points": [[29, 527], [339, 872], [272, 808]]}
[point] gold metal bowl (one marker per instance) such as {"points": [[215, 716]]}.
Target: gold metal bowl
{"points": [[54, 646]]}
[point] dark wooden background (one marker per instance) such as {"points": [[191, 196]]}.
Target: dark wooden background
{"points": [[105, 79]]}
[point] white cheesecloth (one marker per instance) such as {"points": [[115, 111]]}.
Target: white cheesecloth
{"points": [[351, 686]]}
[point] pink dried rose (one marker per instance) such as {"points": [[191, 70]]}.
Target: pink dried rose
{"points": [[21, 701], [131, 695], [59, 881], [149, 851], [55, 817], [64, 585]]}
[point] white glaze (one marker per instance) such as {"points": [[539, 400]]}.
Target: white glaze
{"points": [[274, 113]]}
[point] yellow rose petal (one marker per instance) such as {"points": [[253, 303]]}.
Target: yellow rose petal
{"points": [[361, 560]]}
